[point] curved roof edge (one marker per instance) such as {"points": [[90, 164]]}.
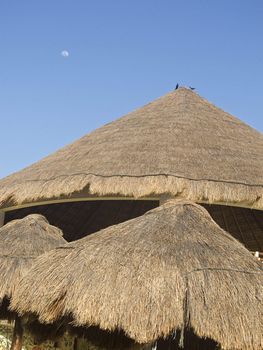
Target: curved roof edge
{"points": [[148, 187]]}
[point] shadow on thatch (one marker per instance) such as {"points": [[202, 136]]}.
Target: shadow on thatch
{"points": [[171, 268]]}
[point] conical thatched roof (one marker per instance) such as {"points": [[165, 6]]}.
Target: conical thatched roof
{"points": [[179, 145], [21, 241], [171, 268]]}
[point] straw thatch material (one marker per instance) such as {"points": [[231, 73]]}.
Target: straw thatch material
{"points": [[173, 267], [21, 241], [179, 145]]}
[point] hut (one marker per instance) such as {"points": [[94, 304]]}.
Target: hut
{"points": [[178, 146], [21, 241], [170, 270]]}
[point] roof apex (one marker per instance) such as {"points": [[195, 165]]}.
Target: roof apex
{"points": [[179, 144]]}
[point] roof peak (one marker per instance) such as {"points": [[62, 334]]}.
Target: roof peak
{"points": [[179, 144]]}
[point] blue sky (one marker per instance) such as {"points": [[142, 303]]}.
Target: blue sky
{"points": [[122, 54]]}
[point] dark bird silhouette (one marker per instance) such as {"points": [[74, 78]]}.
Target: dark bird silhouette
{"points": [[192, 88], [177, 86]]}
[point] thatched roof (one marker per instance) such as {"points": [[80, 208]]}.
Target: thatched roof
{"points": [[179, 145], [21, 241], [171, 268]]}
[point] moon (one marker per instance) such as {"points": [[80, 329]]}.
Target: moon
{"points": [[64, 53]]}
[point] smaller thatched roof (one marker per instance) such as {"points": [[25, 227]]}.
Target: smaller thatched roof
{"points": [[171, 268], [21, 241]]}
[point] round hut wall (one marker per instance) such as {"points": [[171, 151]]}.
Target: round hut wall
{"points": [[81, 218]]}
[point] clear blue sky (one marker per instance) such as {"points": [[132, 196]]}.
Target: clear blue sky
{"points": [[122, 54]]}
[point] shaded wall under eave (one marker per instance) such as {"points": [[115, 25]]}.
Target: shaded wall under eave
{"points": [[117, 340], [93, 338], [2, 218], [78, 219], [244, 224]]}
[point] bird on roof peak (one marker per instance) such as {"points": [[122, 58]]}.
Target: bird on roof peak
{"points": [[177, 86], [191, 88]]}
